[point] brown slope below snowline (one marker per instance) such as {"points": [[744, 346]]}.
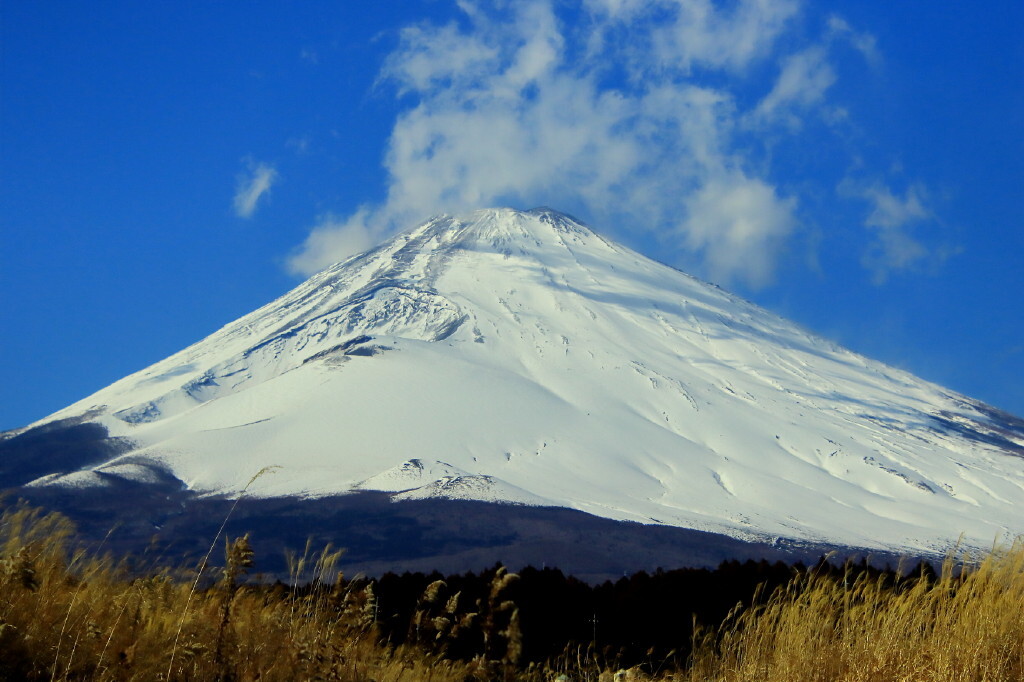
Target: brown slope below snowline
{"points": [[65, 613]]}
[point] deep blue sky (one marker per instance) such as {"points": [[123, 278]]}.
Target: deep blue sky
{"points": [[855, 166]]}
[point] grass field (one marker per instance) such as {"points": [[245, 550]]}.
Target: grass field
{"points": [[71, 614]]}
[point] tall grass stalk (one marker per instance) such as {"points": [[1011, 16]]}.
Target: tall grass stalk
{"points": [[206, 559], [95, 567]]}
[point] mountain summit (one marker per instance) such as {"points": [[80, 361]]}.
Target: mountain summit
{"points": [[519, 357]]}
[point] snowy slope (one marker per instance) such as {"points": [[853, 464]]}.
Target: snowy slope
{"points": [[518, 356]]}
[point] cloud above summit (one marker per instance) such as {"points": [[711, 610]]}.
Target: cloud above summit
{"points": [[648, 116]]}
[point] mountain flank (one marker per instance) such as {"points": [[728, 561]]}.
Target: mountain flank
{"points": [[509, 365]]}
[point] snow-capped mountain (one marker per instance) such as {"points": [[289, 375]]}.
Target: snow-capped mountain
{"points": [[520, 357]]}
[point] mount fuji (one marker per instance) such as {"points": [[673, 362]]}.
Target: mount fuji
{"points": [[519, 358]]}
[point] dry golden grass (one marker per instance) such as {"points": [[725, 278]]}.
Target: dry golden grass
{"points": [[66, 614], [967, 624], [77, 617]]}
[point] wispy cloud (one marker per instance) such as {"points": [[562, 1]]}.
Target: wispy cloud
{"points": [[701, 33], [300, 145], [803, 80], [892, 219], [863, 42], [631, 114], [889, 211], [252, 185], [333, 239]]}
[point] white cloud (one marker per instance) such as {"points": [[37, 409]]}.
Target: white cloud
{"points": [[683, 35], [806, 75], [865, 43], [252, 185], [512, 106], [893, 248], [802, 82], [702, 34], [739, 223], [333, 239], [891, 212]]}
